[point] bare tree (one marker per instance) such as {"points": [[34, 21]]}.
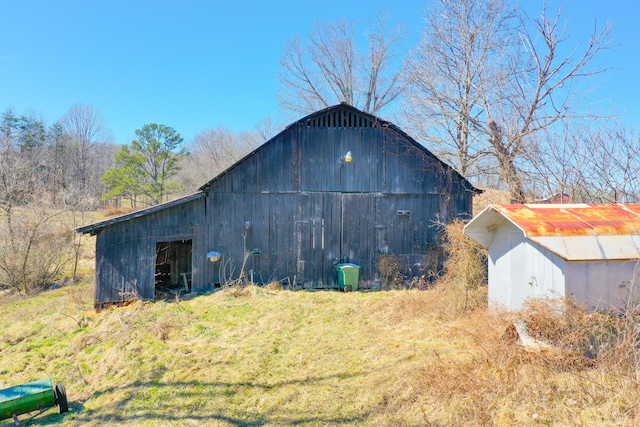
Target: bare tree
{"points": [[87, 135], [36, 245], [592, 164], [263, 131], [22, 143], [214, 150], [457, 59], [57, 157], [34, 248], [330, 69], [511, 81]]}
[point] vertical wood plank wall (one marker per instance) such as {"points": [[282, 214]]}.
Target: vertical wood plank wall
{"points": [[298, 202]]}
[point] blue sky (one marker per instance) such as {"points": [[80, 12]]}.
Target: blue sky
{"points": [[194, 65]]}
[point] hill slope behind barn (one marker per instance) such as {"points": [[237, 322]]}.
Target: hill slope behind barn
{"points": [[339, 184]]}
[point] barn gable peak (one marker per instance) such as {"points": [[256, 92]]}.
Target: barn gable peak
{"points": [[341, 116]]}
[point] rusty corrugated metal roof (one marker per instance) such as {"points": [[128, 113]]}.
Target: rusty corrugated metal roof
{"points": [[574, 219], [572, 231]]}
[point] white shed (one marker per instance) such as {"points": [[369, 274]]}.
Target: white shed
{"points": [[588, 253]]}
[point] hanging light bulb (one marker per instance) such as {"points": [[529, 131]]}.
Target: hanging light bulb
{"points": [[347, 157]]}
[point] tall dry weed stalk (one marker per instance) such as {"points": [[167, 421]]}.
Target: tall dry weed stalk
{"points": [[464, 280], [390, 269]]}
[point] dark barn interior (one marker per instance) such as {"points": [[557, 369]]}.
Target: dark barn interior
{"points": [[173, 268]]}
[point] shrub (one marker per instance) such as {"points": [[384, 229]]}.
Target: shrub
{"points": [[34, 249]]}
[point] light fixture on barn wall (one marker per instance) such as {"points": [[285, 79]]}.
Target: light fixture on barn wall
{"points": [[347, 157], [213, 256]]}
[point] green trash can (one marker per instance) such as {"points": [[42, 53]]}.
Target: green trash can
{"points": [[348, 276]]}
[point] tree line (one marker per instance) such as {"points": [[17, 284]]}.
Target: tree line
{"points": [[53, 176], [499, 92]]}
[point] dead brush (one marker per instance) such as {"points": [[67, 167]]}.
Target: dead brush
{"points": [[79, 298], [466, 262], [163, 328], [246, 291], [483, 383], [463, 285], [404, 306], [582, 339], [390, 269]]}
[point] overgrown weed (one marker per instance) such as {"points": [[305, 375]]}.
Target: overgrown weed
{"points": [[462, 285], [582, 338]]}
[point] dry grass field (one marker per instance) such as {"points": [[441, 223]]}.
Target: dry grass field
{"points": [[264, 356]]}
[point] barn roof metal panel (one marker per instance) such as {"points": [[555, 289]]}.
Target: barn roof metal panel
{"points": [[97, 226], [573, 232]]}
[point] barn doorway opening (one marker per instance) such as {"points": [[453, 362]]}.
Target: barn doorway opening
{"points": [[173, 268]]}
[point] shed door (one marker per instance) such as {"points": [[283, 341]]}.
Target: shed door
{"points": [[520, 281]]}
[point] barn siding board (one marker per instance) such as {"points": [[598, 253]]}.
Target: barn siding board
{"points": [[357, 234], [331, 159], [332, 230], [306, 207], [319, 260]]}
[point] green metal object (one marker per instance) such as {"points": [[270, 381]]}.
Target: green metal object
{"points": [[348, 276], [29, 397]]}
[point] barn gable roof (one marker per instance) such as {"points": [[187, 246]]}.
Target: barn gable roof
{"points": [[344, 115], [337, 116], [95, 227], [571, 231]]}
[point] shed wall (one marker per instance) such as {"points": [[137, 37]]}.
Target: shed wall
{"points": [[604, 285], [520, 269], [548, 272]]}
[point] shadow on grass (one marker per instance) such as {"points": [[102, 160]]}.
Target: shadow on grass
{"points": [[172, 409], [50, 417]]}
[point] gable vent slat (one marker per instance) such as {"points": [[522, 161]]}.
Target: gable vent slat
{"points": [[340, 119]]}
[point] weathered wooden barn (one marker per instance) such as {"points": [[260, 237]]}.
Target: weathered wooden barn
{"points": [[338, 184], [588, 253]]}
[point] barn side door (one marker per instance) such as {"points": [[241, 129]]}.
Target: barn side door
{"points": [[316, 231], [330, 227], [357, 236]]}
